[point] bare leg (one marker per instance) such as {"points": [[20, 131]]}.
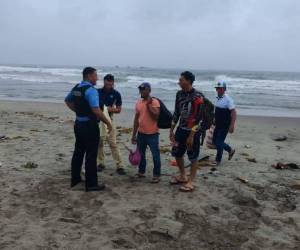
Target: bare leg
{"points": [[194, 169], [188, 187], [180, 164]]}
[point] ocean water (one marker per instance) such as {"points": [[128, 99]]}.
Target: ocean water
{"points": [[255, 93]]}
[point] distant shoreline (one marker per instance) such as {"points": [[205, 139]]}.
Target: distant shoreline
{"points": [[129, 110]]}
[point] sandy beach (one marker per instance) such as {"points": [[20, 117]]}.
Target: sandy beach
{"points": [[38, 210]]}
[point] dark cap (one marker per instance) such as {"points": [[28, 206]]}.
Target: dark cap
{"points": [[145, 85], [109, 77]]}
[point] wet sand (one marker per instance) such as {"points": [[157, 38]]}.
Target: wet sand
{"points": [[38, 210]]}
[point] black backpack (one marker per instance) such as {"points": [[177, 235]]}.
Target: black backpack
{"points": [[208, 114], [165, 116]]}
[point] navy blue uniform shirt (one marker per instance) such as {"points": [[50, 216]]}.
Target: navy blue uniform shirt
{"points": [[111, 98]]}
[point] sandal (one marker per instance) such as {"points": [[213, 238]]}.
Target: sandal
{"points": [[176, 180], [186, 188], [155, 180]]}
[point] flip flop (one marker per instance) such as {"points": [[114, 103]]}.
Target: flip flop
{"points": [[186, 189], [231, 154], [176, 181]]}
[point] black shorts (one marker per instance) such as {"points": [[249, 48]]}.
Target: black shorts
{"points": [[179, 150]]}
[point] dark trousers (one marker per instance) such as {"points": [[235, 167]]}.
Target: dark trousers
{"points": [[219, 140], [152, 141], [87, 140]]}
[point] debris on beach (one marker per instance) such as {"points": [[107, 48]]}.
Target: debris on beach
{"points": [[279, 138], [124, 130], [245, 154], [295, 185], [251, 159], [204, 161], [30, 165], [165, 149], [280, 165], [35, 130], [167, 227], [247, 146], [241, 179]]}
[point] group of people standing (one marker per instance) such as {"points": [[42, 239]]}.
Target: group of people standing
{"points": [[93, 105]]}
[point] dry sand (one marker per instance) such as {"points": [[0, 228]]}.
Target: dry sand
{"points": [[38, 210]]}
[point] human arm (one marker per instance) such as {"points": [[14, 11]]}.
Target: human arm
{"points": [[175, 120], [153, 108], [233, 115], [197, 118], [92, 97], [117, 108]]}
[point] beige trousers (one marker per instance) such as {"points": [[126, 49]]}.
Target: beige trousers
{"points": [[111, 139]]}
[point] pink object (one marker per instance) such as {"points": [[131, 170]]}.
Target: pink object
{"points": [[173, 163], [134, 157]]}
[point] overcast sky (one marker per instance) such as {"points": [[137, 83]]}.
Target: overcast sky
{"points": [[198, 34]]}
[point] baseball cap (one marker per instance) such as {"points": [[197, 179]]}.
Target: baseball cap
{"points": [[145, 85], [221, 84], [109, 77]]}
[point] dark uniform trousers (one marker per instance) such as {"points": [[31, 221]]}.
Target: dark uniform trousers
{"points": [[87, 140]]}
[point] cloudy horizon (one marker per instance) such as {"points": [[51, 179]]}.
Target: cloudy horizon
{"points": [[198, 34]]}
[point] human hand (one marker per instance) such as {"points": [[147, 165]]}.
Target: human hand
{"points": [[110, 109], [172, 137], [190, 141], [109, 128], [133, 139]]}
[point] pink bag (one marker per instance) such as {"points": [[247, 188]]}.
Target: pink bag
{"points": [[134, 156]]}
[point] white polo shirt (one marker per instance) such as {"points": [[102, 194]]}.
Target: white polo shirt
{"points": [[225, 102], [223, 107]]}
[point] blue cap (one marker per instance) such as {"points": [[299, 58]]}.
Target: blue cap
{"points": [[145, 85]]}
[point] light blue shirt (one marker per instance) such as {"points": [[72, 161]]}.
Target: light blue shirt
{"points": [[225, 102], [91, 95]]}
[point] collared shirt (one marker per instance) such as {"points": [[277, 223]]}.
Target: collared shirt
{"points": [[91, 96], [110, 98], [147, 125], [225, 102], [223, 107]]}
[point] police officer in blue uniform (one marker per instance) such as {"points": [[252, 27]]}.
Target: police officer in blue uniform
{"points": [[84, 101]]}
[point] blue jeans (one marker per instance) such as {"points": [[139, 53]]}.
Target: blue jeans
{"points": [[152, 141], [219, 140]]}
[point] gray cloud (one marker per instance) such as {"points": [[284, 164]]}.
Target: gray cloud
{"points": [[201, 34]]}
